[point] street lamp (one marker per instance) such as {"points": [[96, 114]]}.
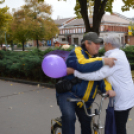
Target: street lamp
{"points": [[6, 35], [5, 40]]}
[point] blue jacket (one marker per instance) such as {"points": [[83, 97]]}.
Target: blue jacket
{"points": [[81, 60]]}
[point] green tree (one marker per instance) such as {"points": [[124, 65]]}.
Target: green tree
{"points": [[33, 21], [19, 31], [9, 34], [4, 16], [2, 36], [99, 9], [2, 1], [42, 26], [18, 28]]}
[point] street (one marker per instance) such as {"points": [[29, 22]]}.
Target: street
{"points": [[28, 109]]}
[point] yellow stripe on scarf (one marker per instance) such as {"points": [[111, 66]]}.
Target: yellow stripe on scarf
{"points": [[82, 59]]}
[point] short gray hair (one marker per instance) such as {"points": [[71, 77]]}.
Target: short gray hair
{"points": [[113, 40]]}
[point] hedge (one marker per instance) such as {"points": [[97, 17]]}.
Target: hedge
{"points": [[27, 65]]}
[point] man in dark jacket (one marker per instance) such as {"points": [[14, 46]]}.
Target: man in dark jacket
{"points": [[82, 59]]}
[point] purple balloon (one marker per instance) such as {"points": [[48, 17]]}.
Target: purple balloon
{"points": [[54, 66]]}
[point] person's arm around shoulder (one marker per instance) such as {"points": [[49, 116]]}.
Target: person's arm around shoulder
{"points": [[104, 72], [91, 64]]}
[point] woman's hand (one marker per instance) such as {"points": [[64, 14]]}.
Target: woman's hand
{"points": [[70, 71], [111, 93]]}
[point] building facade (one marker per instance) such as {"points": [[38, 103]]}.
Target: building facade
{"points": [[72, 29]]}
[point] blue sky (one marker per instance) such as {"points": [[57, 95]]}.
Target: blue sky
{"points": [[65, 9]]}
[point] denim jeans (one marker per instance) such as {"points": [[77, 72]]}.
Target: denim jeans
{"points": [[69, 111]]}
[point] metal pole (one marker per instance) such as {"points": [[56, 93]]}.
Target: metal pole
{"points": [[5, 40]]}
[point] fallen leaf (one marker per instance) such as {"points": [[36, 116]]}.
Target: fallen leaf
{"points": [[11, 84], [10, 108], [130, 119], [38, 85], [51, 105]]}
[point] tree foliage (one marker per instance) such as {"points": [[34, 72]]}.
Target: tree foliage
{"points": [[2, 1], [19, 28], [43, 27], [4, 16], [2, 35], [33, 21]]}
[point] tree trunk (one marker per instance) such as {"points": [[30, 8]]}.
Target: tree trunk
{"points": [[12, 45], [99, 10], [37, 44], [84, 13], [96, 17], [23, 48]]}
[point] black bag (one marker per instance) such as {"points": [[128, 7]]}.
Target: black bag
{"points": [[65, 85]]}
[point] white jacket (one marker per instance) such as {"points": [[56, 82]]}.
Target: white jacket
{"points": [[119, 76]]}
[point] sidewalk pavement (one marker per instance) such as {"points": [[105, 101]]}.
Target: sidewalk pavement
{"points": [[28, 109]]}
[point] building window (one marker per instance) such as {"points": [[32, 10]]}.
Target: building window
{"points": [[63, 39], [76, 41], [79, 30], [102, 28], [60, 31], [66, 31], [76, 30], [82, 30]]}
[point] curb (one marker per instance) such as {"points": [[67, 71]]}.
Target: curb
{"points": [[28, 82]]}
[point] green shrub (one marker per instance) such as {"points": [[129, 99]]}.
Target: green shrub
{"points": [[27, 65], [19, 45], [101, 52]]}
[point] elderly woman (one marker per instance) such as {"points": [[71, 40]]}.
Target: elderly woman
{"points": [[119, 77]]}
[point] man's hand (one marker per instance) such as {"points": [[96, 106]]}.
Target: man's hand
{"points": [[111, 93], [70, 71], [109, 61]]}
